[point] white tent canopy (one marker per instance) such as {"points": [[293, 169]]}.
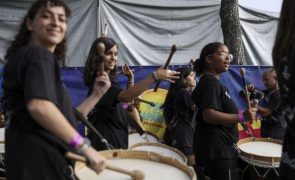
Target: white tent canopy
{"points": [[145, 30]]}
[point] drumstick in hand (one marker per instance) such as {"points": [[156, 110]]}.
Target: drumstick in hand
{"points": [[243, 72], [245, 127], [99, 62], [144, 101], [173, 49], [135, 174]]}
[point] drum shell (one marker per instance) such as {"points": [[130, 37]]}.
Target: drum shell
{"points": [[2, 151]]}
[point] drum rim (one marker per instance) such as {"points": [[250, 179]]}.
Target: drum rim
{"points": [[149, 133], [162, 90], [142, 155], [259, 159], [160, 145]]}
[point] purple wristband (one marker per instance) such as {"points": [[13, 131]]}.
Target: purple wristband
{"points": [[76, 141], [241, 117], [125, 106]]}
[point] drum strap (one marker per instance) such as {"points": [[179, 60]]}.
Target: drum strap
{"points": [[230, 141], [80, 117]]}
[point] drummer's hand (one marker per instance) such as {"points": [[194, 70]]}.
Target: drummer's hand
{"points": [[250, 114], [250, 88], [166, 74], [96, 161], [127, 72], [254, 105], [254, 108], [102, 84]]}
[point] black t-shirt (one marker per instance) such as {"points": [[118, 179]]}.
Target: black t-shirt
{"points": [[183, 130], [214, 141], [286, 77], [108, 118], [183, 107], [273, 125], [32, 73]]}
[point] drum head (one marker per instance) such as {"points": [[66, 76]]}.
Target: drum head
{"points": [[135, 138], [161, 149], [153, 165], [261, 151]]}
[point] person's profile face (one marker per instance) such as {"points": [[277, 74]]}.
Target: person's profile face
{"points": [[49, 26], [269, 80], [190, 80], [220, 60]]}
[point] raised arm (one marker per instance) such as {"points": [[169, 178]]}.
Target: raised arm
{"points": [[101, 86], [160, 74]]}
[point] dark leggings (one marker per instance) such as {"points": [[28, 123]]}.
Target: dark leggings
{"points": [[223, 169]]}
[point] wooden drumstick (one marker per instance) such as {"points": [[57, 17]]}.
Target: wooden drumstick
{"points": [[243, 72], [144, 101], [245, 127], [99, 61], [135, 174], [173, 49]]}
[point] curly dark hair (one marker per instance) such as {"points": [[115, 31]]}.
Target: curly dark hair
{"points": [[168, 105], [91, 66], [23, 36]]}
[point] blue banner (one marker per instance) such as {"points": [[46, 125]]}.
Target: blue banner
{"points": [[231, 79], [73, 79]]}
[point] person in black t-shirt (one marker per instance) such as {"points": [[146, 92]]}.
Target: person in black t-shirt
{"points": [[104, 116], [216, 130], [284, 63], [272, 125], [41, 121], [178, 112]]}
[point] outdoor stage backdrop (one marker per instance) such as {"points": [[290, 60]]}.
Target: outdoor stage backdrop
{"points": [[72, 78]]}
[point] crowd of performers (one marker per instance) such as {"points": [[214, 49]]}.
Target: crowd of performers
{"points": [[41, 120]]}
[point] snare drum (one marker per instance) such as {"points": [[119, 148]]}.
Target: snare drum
{"points": [[154, 166], [261, 152], [162, 149], [134, 138]]}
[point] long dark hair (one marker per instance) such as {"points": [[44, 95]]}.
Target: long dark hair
{"points": [[91, 67], [23, 36], [168, 105], [285, 38], [200, 64]]}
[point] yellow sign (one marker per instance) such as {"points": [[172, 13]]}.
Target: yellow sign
{"points": [[153, 120]]}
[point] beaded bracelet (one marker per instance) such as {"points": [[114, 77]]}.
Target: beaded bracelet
{"points": [[155, 76], [241, 116], [76, 141]]}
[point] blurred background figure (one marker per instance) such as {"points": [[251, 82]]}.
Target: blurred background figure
{"points": [[284, 63], [179, 112]]}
